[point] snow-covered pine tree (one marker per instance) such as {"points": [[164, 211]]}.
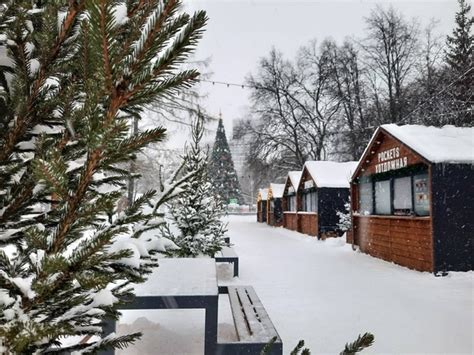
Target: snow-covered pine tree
{"points": [[224, 179], [72, 75], [196, 213], [460, 58], [345, 221]]}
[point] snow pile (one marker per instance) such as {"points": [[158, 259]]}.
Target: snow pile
{"points": [[277, 190], [331, 173], [295, 177], [448, 144]]}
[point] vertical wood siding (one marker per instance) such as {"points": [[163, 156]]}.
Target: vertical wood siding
{"points": [[406, 241]]}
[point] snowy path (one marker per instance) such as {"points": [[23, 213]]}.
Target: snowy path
{"points": [[327, 294]]}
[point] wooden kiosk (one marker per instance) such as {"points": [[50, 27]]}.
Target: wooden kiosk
{"points": [[323, 190], [291, 200], [274, 205], [413, 196], [262, 205]]}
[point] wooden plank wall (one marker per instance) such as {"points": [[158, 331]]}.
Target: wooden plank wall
{"points": [[290, 220], [406, 241], [308, 223]]}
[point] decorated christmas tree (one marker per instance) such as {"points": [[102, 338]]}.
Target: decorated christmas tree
{"points": [[73, 75], [225, 182], [196, 213]]}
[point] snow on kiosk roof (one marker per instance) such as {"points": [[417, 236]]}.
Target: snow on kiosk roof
{"points": [[276, 190], [330, 173], [262, 194], [448, 144], [295, 177]]}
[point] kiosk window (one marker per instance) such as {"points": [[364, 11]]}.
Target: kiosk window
{"points": [[420, 187], [310, 201], [365, 198], [382, 197], [292, 203], [402, 197]]}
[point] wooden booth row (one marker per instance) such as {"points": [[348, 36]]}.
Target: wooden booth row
{"points": [[413, 197], [411, 193], [309, 200], [269, 205]]}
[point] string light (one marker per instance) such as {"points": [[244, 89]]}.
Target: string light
{"points": [[403, 120], [214, 82]]}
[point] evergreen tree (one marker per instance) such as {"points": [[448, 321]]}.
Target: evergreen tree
{"points": [[345, 218], [197, 212], [221, 168], [68, 95], [459, 57]]}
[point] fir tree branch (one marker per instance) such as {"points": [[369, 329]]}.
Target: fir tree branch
{"points": [[362, 342]]}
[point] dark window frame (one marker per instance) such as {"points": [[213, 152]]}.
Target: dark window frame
{"points": [[307, 192], [411, 172]]}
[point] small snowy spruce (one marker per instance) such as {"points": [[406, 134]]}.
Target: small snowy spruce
{"points": [[345, 221], [72, 76], [196, 213]]}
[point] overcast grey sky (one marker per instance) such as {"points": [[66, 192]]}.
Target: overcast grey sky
{"points": [[240, 32]]}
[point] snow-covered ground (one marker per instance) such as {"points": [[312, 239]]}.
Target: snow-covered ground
{"points": [[326, 294]]}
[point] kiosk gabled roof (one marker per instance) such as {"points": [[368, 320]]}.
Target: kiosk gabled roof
{"points": [[277, 190], [448, 144], [294, 177], [263, 194], [330, 173]]}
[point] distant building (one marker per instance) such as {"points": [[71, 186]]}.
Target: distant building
{"points": [[238, 145]]}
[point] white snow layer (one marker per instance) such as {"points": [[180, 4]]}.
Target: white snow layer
{"points": [[327, 294], [448, 144], [331, 173], [277, 190], [295, 177], [263, 193]]}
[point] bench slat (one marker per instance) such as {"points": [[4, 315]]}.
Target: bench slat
{"points": [[256, 327], [250, 317], [241, 325], [267, 324]]}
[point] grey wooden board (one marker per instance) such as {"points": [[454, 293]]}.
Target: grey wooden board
{"points": [[250, 317]]}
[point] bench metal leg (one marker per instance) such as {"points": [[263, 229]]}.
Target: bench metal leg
{"points": [[109, 328], [236, 267], [210, 332]]}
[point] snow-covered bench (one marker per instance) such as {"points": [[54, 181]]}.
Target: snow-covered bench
{"points": [[252, 323], [228, 255]]}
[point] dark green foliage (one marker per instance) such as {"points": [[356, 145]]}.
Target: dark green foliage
{"points": [[68, 96], [460, 43], [460, 58], [299, 349], [221, 168], [362, 342], [268, 347]]}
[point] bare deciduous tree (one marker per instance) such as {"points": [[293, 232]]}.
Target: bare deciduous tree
{"points": [[391, 52], [294, 110]]}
